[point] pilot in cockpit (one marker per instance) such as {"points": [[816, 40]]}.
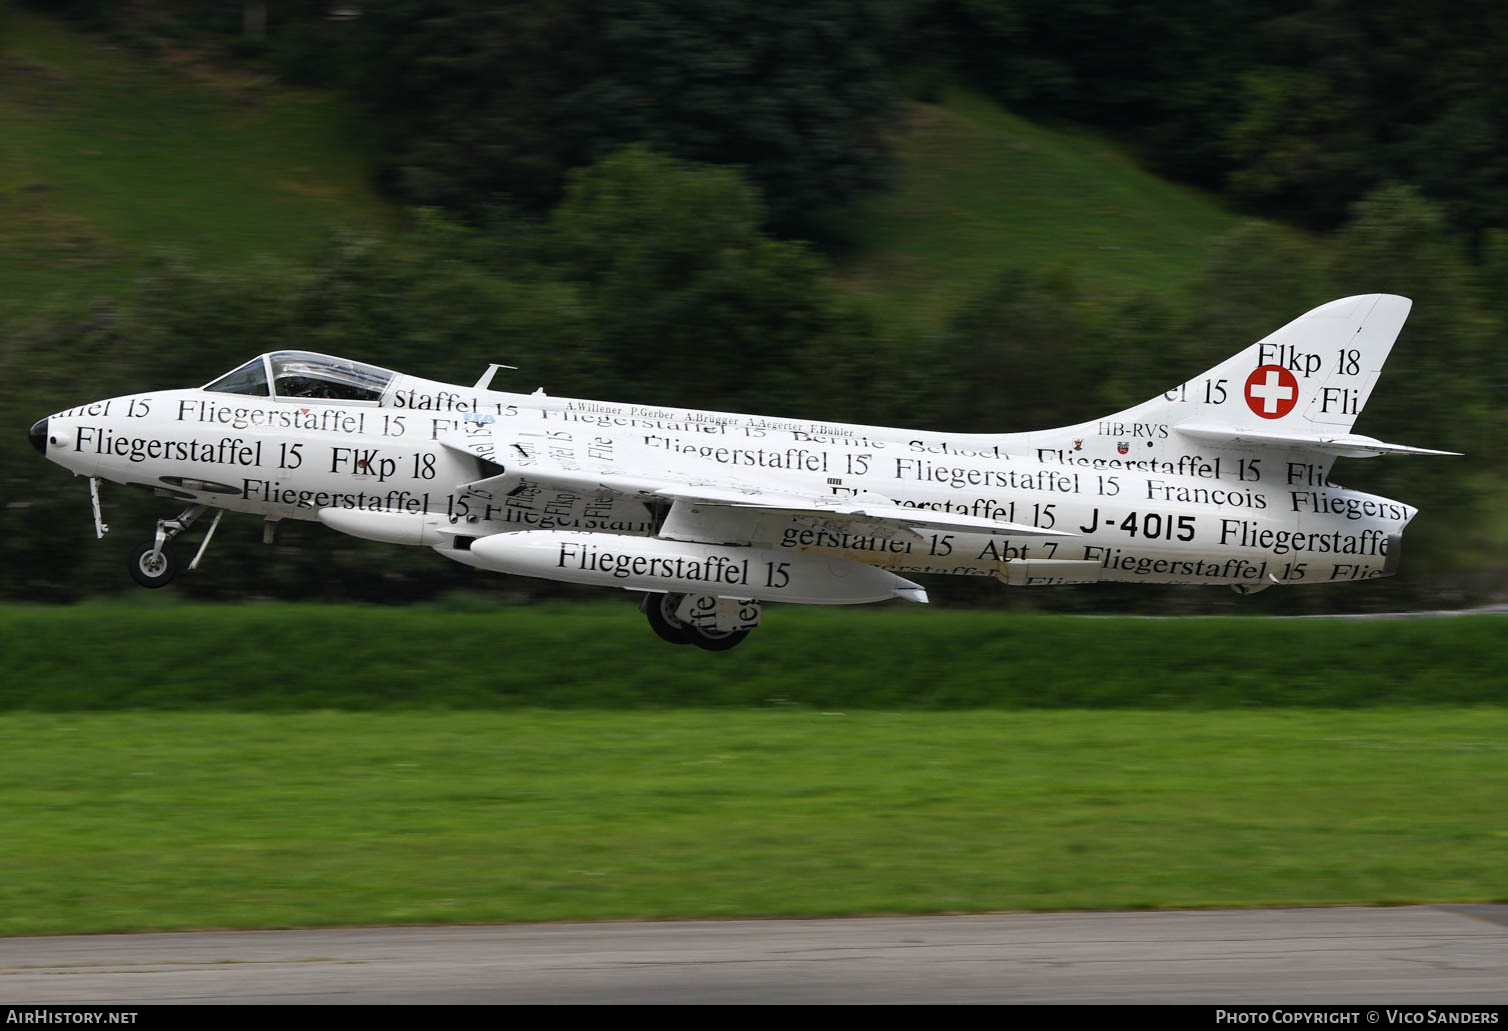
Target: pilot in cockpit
{"points": [[301, 386], [305, 374]]}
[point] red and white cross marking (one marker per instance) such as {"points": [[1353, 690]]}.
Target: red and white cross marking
{"points": [[1271, 391]]}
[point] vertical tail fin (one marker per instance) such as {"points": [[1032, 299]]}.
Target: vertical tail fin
{"points": [[1300, 387], [1312, 376]]}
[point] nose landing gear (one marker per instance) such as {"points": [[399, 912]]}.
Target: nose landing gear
{"points": [[152, 565]]}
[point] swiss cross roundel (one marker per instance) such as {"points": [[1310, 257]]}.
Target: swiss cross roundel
{"points": [[1272, 391]]}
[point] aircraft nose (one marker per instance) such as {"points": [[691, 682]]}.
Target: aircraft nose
{"points": [[38, 435]]}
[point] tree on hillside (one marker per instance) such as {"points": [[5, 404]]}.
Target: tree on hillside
{"points": [[1164, 73], [799, 92], [1295, 108], [1347, 95], [441, 301], [1260, 277], [469, 98], [1020, 356], [692, 303], [1437, 389], [487, 103]]}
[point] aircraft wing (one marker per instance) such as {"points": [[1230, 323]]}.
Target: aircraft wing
{"points": [[871, 509], [743, 510]]}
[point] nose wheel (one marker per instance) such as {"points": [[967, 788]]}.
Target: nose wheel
{"points": [[152, 564]]}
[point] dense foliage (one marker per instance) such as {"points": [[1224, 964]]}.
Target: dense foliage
{"points": [[1296, 107], [481, 103], [652, 282], [614, 187], [1293, 107]]}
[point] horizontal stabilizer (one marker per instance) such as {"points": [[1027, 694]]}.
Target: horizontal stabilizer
{"points": [[1345, 445]]}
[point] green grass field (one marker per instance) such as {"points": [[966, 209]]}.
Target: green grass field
{"points": [[558, 762], [161, 655], [136, 821]]}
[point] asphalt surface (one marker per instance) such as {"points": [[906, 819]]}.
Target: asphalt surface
{"points": [[1438, 955]]}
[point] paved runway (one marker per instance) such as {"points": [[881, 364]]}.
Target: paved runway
{"points": [[1414, 954]]}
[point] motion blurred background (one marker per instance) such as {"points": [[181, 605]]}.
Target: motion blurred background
{"points": [[970, 215]]}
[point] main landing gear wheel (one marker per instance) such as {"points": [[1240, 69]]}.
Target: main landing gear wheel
{"points": [[717, 640], [151, 567], [660, 610]]}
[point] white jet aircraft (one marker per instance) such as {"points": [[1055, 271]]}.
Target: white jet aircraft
{"points": [[1222, 480]]}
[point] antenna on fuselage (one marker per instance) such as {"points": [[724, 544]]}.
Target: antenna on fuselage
{"points": [[486, 379]]}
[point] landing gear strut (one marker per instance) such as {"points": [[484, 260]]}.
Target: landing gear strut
{"points": [[707, 622], [152, 565]]}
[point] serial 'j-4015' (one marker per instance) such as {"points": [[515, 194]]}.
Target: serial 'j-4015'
{"points": [[1224, 479]]}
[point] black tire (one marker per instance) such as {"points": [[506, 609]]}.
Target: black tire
{"points": [[660, 610], [149, 573], [717, 640]]}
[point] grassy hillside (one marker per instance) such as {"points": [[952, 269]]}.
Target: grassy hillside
{"points": [[108, 156], [980, 189]]}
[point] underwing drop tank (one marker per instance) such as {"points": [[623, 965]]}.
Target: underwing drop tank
{"points": [[656, 565]]}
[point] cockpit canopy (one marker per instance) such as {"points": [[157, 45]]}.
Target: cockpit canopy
{"points": [[305, 374]]}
